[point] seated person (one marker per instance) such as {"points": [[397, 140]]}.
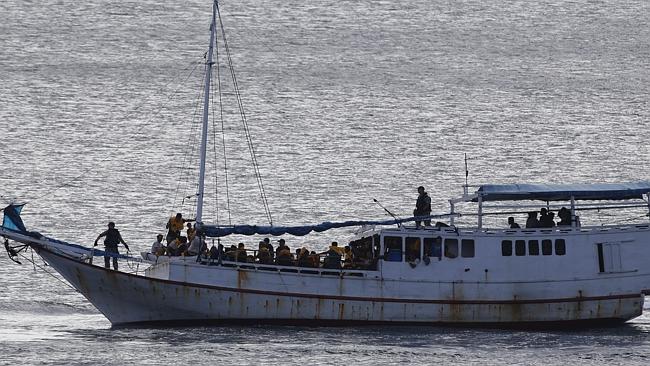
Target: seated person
{"points": [[241, 253], [182, 245], [284, 256], [565, 217], [231, 253], [263, 254], [157, 248], [314, 259], [332, 258], [197, 245], [173, 247], [512, 224], [215, 252], [303, 257], [347, 257]]}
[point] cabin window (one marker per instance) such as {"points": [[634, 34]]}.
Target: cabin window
{"points": [[547, 247], [506, 248], [433, 247], [467, 248], [451, 248], [412, 249], [560, 247], [393, 251], [533, 247], [520, 247]]}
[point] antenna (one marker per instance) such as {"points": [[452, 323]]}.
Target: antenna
{"points": [[466, 171], [390, 213]]}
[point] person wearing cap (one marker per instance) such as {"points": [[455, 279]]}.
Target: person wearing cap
{"points": [[175, 226], [422, 207], [112, 239]]}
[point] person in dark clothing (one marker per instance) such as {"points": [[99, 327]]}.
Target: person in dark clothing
{"points": [[565, 217], [532, 221], [545, 219], [112, 239], [512, 223], [267, 242], [422, 207]]}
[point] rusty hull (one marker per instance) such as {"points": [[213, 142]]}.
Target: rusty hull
{"points": [[125, 298]]}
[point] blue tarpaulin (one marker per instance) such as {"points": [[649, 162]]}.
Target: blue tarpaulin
{"points": [[563, 192], [219, 231]]}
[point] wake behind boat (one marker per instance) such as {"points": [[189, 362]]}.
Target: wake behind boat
{"points": [[441, 274]]}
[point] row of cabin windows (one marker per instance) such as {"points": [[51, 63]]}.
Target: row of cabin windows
{"points": [[533, 247], [433, 247]]}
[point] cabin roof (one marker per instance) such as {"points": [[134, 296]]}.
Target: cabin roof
{"points": [[562, 192]]}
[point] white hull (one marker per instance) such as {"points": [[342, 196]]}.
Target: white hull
{"points": [[125, 298]]}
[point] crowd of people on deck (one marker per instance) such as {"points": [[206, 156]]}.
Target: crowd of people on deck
{"points": [[546, 219], [358, 256]]}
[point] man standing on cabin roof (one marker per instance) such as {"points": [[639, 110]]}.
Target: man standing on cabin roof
{"points": [[113, 238], [422, 207]]}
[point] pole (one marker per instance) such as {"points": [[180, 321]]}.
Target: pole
{"points": [[206, 110]]}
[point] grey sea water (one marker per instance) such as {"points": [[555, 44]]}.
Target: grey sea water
{"points": [[346, 101]]}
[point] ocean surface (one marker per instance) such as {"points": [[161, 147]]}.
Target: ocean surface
{"points": [[346, 102]]}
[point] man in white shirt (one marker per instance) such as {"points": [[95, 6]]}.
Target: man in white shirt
{"points": [[157, 247], [196, 245]]}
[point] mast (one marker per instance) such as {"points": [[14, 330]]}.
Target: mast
{"points": [[206, 109]]}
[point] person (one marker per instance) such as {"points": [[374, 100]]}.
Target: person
{"points": [[512, 223], [267, 242], [231, 253], [173, 247], [263, 254], [314, 259], [333, 256], [112, 239], [197, 245], [157, 248], [241, 252], [191, 232], [302, 256], [532, 221], [215, 252], [551, 219], [347, 257], [422, 207], [175, 225], [546, 218], [284, 256], [565, 217], [182, 245]]}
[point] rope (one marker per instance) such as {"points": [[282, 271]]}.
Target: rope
{"points": [[223, 136], [214, 148], [32, 261], [249, 140], [70, 181], [188, 151]]}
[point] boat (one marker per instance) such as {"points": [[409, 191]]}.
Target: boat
{"points": [[446, 273]]}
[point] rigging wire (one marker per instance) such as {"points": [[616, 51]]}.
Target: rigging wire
{"points": [[70, 181], [249, 140], [214, 150], [185, 166], [223, 134]]}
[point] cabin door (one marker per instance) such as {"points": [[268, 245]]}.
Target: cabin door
{"points": [[609, 257]]}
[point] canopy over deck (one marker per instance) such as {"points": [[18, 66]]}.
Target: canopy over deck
{"points": [[562, 192]]}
